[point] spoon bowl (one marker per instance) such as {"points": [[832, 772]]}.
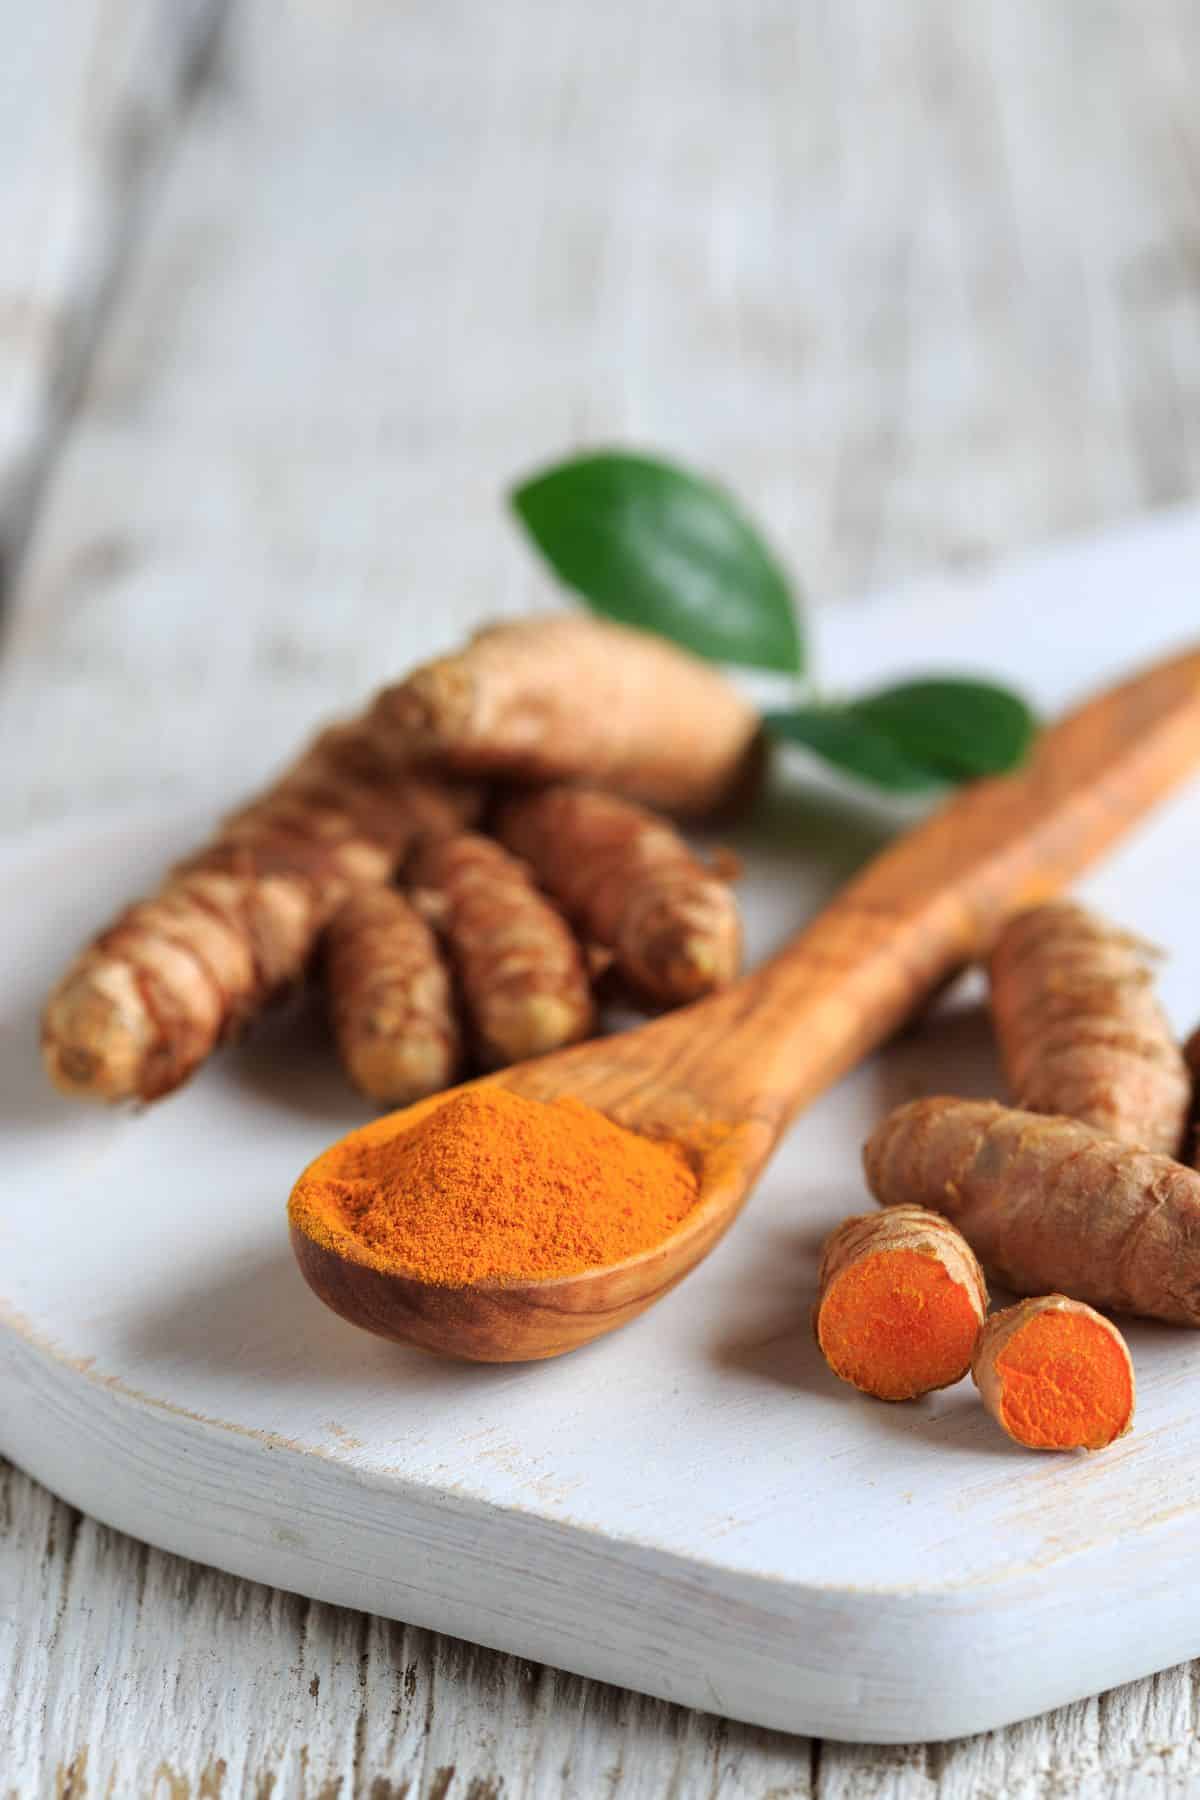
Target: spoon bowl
{"points": [[510, 1320], [723, 1077], [516, 1321]]}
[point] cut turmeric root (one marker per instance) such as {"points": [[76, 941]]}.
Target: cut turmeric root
{"points": [[521, 973], [144, 1005], [390, 998], [901, 1301], [1081, 1031], [1047, 1204], [631, 886], [564, 697], [1055, 1375]]}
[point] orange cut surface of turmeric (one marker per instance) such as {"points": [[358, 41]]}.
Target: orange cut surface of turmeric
{"points": [[897, 1324], [1056, 1375], [1063, 1385], [490, 1186]]}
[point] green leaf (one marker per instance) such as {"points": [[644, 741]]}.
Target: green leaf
{"points": [[836, 735], [918, 735], [653, 545], [959, 729]]}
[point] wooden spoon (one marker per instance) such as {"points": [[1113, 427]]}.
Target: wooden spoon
{"points": [[723, 1077]]}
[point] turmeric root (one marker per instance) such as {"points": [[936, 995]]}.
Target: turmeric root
{"points": [[1081, 1030], [390, 998], [564, 697], [1048, 1204], [900, 1303], [631, 885], [523, 982], [144, 1005], [1055, 1375]]}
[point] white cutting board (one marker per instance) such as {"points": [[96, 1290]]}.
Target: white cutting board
{"points": [[694, 1506]]}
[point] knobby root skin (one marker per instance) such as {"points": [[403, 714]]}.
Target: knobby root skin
{"points": [[520, 971], [1049, 1205], [390, 998], [631, 886], [1055, 1375], [567, 697], [145, 1003], [900, 1303], [1081, 1030]]}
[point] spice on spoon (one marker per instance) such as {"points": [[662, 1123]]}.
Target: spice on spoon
{"points": [[488, 1186]]}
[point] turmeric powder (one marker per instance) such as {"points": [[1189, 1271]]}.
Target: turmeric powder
{"points": [[1055, 1375], [900, 1303], [632, 886], [565, 697], [1081, 1030], [1048, 1204], [488, 1186], [390, 998], [143, 1005]]}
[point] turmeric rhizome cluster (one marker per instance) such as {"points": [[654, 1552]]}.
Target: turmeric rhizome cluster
{"points": [[461, 864], [1074, 1198]]}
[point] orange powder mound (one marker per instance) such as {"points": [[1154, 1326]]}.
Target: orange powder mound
{"points": [[490, 1186], [1066, 1384], [896, 1324]]}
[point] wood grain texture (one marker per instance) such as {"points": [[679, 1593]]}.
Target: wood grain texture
{"points": [[155, 1678], [89, 96], [218, 1687], [931, 292]]}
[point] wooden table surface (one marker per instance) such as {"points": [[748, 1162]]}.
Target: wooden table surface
{"points": [[287, 294]]}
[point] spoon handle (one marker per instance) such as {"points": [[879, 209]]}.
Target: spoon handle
{"points": [[932, 901]]}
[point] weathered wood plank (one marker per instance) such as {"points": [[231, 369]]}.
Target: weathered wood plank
{"points": [[923, 285], [132, 1673], [142, 1675], [1135, 1743], [88, 95]]}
